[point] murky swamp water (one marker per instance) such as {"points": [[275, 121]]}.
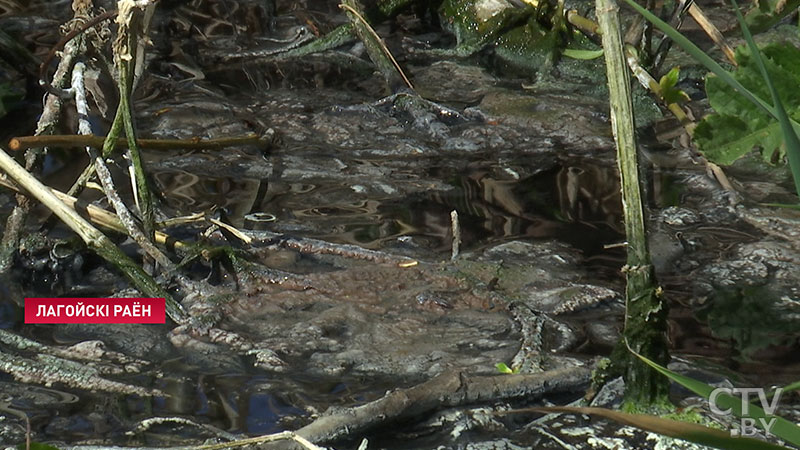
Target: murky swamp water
{"points": [[530, 172]]}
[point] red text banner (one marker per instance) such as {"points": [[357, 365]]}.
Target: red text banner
{"points": [[94, 310]]}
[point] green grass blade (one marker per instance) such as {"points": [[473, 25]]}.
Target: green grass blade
{"points": [[691, 432], [792, 387], [782, 428], [789, 135]]}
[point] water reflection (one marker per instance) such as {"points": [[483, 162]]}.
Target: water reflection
{"points": [[576, 201], [252, 404]]}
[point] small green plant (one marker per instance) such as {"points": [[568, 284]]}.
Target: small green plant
{"points": [[503, 368], [670, 93], [766, 13], [776, 111]]}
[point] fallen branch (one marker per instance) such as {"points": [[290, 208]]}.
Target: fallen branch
{"points": [[283, 436], [448, 389], [46, 367]]}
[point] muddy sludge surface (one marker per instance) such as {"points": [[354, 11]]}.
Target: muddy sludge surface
{"points": [[531, 174]]}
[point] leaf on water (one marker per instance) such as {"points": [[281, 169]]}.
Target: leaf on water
{"points": [[738, 125]]}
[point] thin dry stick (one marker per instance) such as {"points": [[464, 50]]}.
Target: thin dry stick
{"points": [[282, 436], [456, 234], [233, 230], [720, 176], [43, 79], [711, 30], [377, 39], [146, 424], [69, 140]]}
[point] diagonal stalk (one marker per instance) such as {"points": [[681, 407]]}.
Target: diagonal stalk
{"points": [[126, 53]]}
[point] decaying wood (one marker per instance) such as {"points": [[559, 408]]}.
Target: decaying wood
{"points": [[448, 389], [45, 368]]}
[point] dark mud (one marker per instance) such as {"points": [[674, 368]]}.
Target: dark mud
{"points": [[532, 176]]}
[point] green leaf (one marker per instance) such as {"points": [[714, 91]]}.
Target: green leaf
{"points": [[767, 13], [774, 76], [669, 93], [739, 125], [687, 431], [503, 368], [582, 54], [787, 129], [723, 139], [782, 428], [794, 386]]}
